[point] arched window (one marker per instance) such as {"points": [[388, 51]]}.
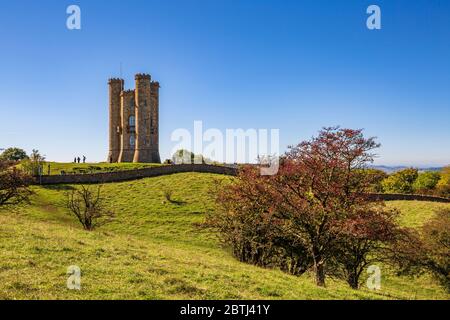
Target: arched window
{"points": [[132, 140], [132, 121]]}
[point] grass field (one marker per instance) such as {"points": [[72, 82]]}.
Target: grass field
{"points": [[57, 167], [157, 250]]}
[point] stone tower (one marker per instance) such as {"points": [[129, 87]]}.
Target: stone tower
{"points": [[127, 129], [133, 121], [115, 88], [154, 121]]}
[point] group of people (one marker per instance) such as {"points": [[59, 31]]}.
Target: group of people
{"points": [[78, 159]]}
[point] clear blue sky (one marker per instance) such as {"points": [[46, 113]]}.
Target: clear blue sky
{"points": [[292, 65]]}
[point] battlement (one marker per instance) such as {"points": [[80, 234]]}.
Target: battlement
{"points": [[142, 76], [155, 84], [129, 92], [115, 80]]}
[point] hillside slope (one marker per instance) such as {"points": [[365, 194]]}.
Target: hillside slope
{"points": [[157, 250]]}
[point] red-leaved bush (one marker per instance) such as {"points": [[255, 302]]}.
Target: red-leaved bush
{"points": [[313, 214]]}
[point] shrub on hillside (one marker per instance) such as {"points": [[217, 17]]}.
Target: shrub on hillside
{"points": [[428, 251], [376, 178], [401, 181], [168, 194], [183, 156], [254, 232], [312, 213], [14, 184], [426, 182], [443, 186], [365, 238], [87, 205], [34, 164]]}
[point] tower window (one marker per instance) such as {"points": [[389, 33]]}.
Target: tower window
{"points": [[132, 121], [132, 140], [131, 124]]}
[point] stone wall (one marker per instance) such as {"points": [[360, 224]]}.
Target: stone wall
{"points": [[118, 176], [134, 174], [399, 196]]}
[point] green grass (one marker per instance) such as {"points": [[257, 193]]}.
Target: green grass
{"points": [[156, 249], [57, 167], [418, 212]]}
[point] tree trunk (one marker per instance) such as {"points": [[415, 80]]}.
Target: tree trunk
{"points": [[319, 272], [353, 280]]}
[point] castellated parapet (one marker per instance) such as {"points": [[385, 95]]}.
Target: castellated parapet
{"points": [[134, 121]]}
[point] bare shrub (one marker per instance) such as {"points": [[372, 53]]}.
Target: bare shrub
{"points": [[168, 194], [87, 205]]}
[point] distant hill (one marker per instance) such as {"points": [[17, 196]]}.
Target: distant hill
{"points": [[391, 169]]}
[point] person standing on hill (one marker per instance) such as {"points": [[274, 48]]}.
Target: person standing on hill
{"points": [[78, 159], [84, 159]]}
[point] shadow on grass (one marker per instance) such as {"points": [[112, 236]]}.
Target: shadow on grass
{"points": [[58, 187], [177, 202]]}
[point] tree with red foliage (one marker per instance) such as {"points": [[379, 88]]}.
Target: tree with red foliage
{"points": [[309, 205], [365, 238], [319, 185], [248, 223]]}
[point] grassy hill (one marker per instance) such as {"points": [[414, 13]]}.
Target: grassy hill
{"points": [[159, 250], [68, 168]]}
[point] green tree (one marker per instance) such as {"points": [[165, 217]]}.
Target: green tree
{"points": [[401, 181], [426, 182], [443, 186], [13, 154], [376, 178], [185, 156], [33, 165]]}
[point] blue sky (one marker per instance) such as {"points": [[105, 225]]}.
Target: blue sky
{"points": [[292, 65]]}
